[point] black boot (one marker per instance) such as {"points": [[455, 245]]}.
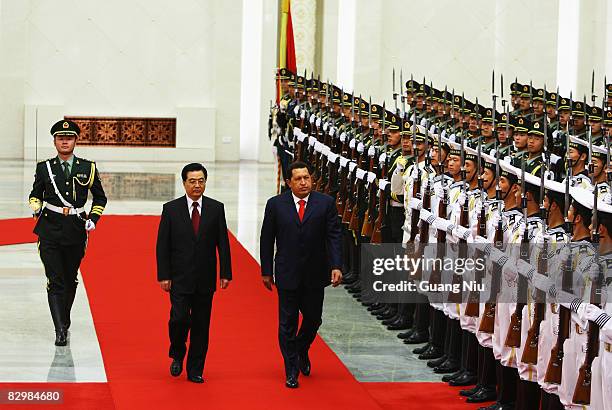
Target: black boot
{"points": [[56, 306], [69, 300]]}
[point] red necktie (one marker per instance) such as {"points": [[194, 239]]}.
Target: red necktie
{"points": [[195, 218], [302, 204]]}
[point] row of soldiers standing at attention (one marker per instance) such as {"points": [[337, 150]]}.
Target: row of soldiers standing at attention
{"points": [[438, 168]]}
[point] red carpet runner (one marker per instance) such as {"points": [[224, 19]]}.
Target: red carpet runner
{"points": [[244, 366]]}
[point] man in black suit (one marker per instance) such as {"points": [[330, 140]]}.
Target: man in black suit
{"points": [[306, 229], [191, 230]]}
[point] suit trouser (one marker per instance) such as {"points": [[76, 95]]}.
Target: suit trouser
{"points": [[61, 264], [190, 314], [308, 301]]}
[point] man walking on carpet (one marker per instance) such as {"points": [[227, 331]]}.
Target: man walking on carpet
{"points": [[58, 197], [305, 227], [191, 232]]}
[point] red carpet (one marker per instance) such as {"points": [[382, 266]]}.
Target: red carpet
{"points": [[244, 366]]}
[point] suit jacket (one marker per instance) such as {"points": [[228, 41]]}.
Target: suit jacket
{"points": [[305, 251], [84, 178], [190, 260]]}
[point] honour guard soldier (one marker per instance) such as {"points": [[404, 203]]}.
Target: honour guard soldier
{"points": [[58, 197]]}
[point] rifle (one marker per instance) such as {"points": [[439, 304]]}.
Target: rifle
{"points": [[350, 199], [356, 224], [416, 186], [343, 175], [382, 200], [513, 337], [582, 391]]}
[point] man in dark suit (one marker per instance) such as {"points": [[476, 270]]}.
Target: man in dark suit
{"points": [[191, 230], [306, 229]]}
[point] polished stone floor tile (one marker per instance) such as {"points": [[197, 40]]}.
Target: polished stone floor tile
{"points": [[371, 352]]}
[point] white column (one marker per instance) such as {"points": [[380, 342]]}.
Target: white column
{"points": [[304, 20], [567, 46], [347, 15]]}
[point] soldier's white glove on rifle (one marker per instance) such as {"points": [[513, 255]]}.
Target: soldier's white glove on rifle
{"points": [[89, 225]]}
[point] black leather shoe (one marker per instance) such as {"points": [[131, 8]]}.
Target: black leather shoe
{"points": [[470, 392], [421, 349], [292, 382], [304, 364], [417, 337], [406, 334], [195, 379], [176, 368], [452, 376], [449, 366], [393, 319], [61, 337], [483, 395], [466, 379], [400, 325], [437, 362], [432, 352], [375, 306]]}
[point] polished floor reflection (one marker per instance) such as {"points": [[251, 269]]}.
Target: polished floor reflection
{"points": [[369, 351]]}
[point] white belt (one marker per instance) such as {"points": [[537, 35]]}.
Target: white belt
{"points": [[64, 210], [396, 204]]}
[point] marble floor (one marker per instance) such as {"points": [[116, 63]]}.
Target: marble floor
{"points": [[369, 351]]}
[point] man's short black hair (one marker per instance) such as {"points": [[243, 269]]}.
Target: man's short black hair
{"points": [[297, 165], [194, 166]]}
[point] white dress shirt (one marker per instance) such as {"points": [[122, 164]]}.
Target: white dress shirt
{"points": [[190, 205], [296, 201]]}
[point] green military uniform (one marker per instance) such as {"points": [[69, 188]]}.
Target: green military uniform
{"points": [[59, 194]]}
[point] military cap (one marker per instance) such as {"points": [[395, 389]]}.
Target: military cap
{"points": [[478, 111], [300, 81], [470, 154], [336, 94], [284, 74], [392, 121], [526, 91], [347, 99], [554, 189], [407, 129], [455, 148], [522, 125], [376, 111], [600, 152], [364, 107], [446, 97], [609, 89], [489, 162], [323, 90], [578, 109], [515, 88], [65, 128], [444, 142], [539, 95], [357, 104], [537, 128], [608, 117], [312, 84], [435, 94], [564, 104], [594, 113], [586, 199], [487, 115], [551, 98], [422, 134], [579, 144], [412, 86], [457, 102], [502, 119], [423, 90], [468, 106]]}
